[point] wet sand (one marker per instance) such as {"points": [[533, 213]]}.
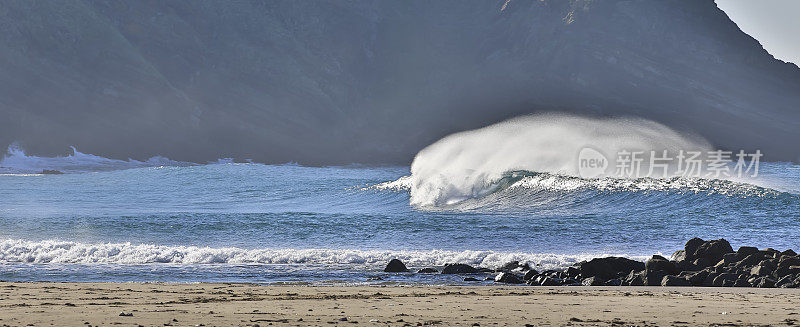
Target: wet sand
{"points": [[156, 304]]}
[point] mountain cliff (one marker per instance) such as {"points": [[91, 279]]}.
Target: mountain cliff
{"points": [[333, 82]]}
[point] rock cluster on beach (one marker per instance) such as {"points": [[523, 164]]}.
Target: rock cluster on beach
{"points": [[700, 263]]}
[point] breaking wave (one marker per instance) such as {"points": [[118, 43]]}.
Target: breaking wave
{"points": [[16, 161], [64, 252], [523, 190], [541, 152]]}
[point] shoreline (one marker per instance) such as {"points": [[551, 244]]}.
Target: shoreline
{"points": [[229, 304]]}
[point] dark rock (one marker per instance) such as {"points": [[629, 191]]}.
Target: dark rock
{"points": [[508, 278], [783, 271], [786, 261], [730, 258], [712, 250], [509, 266], [484, 270], [709, 280], [789, 252], [785, 282], [691, 247], [724, 280], [634, 278], [751, 260], [771, 253], [684, 265], [696, 279], [753, 280], [593, 281], [471, 279], [745, 251], [530, 274], [126, 314], [671, 280], [395, 265], [679, 255], [764, 282], [609, 267], [427, 271], [701, 263], [659, 263], [653, 278], [544, 280], [572, 272], [761, 270], [613, 282], [742, 282], [548, 281], [459, 268]]}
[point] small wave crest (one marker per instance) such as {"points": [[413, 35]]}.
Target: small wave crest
{"points": [[16, 161], [65, 252]]}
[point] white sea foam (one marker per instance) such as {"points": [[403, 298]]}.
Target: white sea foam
{"points": [[558, 183], [16, 161], [469, 164], [64, 252]]}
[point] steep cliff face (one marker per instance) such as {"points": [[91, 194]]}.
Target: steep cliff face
{"points": [[327, 82]]}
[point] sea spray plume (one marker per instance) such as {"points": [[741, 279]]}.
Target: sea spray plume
{"points": [[469, 164]]}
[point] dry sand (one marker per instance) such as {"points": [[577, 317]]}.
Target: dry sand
{"points": [[155, 304]]}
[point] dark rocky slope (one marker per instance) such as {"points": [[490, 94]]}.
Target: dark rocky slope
{"points": [[372, 81]]}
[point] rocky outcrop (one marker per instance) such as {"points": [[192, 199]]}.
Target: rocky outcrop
{"points": [[395, 265], [459, 268], [705, 253], [714, 263], [608, 268], [710, 263], [508, 278], [674, 281]]}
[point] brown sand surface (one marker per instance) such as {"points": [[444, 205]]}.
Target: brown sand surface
{"points": [[157, 304]]}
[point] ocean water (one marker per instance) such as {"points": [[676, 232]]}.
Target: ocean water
{"points": [[161, 220]]}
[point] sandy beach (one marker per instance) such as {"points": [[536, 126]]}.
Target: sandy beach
{"points": [[156, 304]]}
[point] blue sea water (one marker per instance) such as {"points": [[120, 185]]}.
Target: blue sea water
{"points": [[232, 222]]}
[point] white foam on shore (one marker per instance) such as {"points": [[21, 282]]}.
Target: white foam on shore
{"points": [[65, 252]]}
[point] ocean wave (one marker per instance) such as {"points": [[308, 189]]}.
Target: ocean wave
{"points": [[470, 164], [529, 156], [65, 252], [16, 161], [524, 184]]}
